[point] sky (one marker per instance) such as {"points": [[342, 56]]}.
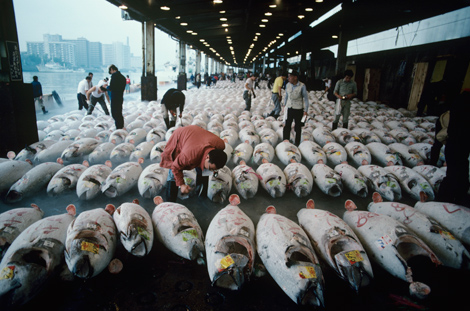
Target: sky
{"points": [[95, 20]]}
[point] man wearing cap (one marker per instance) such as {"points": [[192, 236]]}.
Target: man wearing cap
{"points": [[277, 94], [345, 90], [191, 147], [296, 103]]}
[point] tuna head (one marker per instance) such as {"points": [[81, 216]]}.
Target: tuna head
{"points": [[84, 252], [27, 271], [151, 185], [246, 181], [187, 229], [348, 258], [275, 185], [88, 187], [58, 184], [235, 268], [136, 237], [219, 189]]}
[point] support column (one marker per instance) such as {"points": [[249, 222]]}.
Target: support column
{"points": [[148, 80], [342, 50], [18, 118], [182, 78], [198, 61], [206, 65]]}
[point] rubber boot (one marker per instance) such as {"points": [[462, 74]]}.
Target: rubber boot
{"points": [[167, 122], [44, 110], [172, 123], [346, 125], [334, 126], [171, 191]]}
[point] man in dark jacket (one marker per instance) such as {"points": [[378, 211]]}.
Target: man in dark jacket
{"points": [[117, 84], [37, 93], [171, 101]]}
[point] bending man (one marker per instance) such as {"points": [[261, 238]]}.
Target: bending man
{"points": [[191, 147], [171, 101]]}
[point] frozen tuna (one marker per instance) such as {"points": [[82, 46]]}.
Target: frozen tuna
{"points": [[299, 179], [382, 181], [66, 178], [76, 151], [135, 228], [358, 154], [432, 174], [263, 152], [383, 155], [352, 179], [89, 183], [157, 150], [101, 154], [245, 180], [152, 180], [230, 247], [15, 221], [242, 152], [409, 158], [287, 152], [390, 244], [91, 242], [177, 228], [289, 258], [32, 181], [327, 180], [335, 154], [337, 244], [411, 182], [11, 171], [219, 186], [33, 259], [447, 248], [312, 152], [122, 179], [272, 180]]}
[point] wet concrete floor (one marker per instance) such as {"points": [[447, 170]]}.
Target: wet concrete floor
{"points": [[164, 281]]}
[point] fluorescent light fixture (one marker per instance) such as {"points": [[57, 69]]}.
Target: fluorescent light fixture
{"points": [[184, 24], [301, 16], [273, 6], [334, 36], [165, 8], [294, 36], [223, 19], [324, 17], [268, 14], [224, 25], [308, 9], [218, 1], [264, 20], [123, 7], [262, 25]]}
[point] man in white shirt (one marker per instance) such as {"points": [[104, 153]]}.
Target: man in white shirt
{"points": [[249, 89], [83, 87], [296, 103], [96, 95]]}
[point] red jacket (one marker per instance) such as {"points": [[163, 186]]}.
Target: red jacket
{"points": [[187, 149]]}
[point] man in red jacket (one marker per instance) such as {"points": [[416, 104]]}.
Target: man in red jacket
{"points": [[188, 148]]}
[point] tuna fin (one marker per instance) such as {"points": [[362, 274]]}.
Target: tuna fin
{"points": [[349, 205], [234, 199], [310, 204], [265, 160], [242, 162], [135, 201], [293, 161], [29, 161], [377, 198], [60, 161], [11, 155], [113, 141], [158, 200], [271, 210], [285, 141], [71, 210], [320, 161], [110, 208], [141, 160], [247, 141], [344, 162], [35, 207], [115, 266], [422, 196], [419, 290], [108, 163], [226, 140], [132, 141], [86, 163]]}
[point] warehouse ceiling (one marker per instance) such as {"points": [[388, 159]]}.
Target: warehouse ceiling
{"points": [[239, 32]]}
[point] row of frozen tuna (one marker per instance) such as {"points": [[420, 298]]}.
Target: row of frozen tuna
{"points": [[389, 233], [21, 179]]}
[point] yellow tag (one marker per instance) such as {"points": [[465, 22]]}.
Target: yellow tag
{"points": [[226, 262], [354, 256], [7, 273], [447, 234], [143, 233], [90, 247], [307, 273], [337, 153], [189, 235]]}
